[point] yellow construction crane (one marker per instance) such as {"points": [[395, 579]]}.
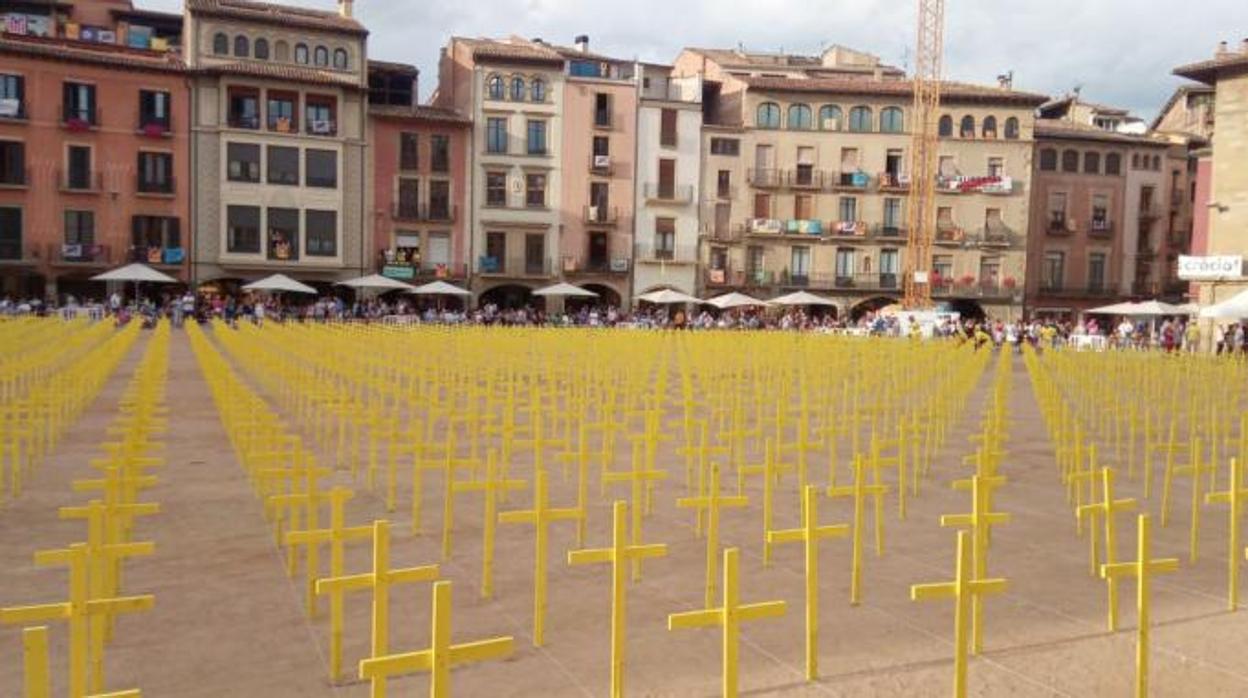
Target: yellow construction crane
{"points": [[924, 142]]}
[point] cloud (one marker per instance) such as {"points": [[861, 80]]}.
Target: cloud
{"points": [[1120, 51]]}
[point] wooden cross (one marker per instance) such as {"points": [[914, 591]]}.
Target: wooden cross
{"points": [[1143, 569], [541, 516], [491, 488], [712, 502], [441, 655], [639, 478], [379, 581], [1106, 510], [859, 491], [1237, 497], [962, 589], [810, 534], [980, 521], [620, 552], [729, 617]]}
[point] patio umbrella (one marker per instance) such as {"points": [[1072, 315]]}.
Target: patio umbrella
{"points": [[1115, 309], [735, 300], [279, 283], [1153, 308], [1235, 308], [440, 288], [668, 297], [376, 282], [138, 273], [564, 290], [802, 298]]}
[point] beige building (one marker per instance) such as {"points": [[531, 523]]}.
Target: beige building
{"points": [[278, 130], [805, 181]]}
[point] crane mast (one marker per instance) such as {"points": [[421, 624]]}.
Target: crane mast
{"points": [[924, 142]]}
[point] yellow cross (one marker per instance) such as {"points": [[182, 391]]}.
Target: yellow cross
{"points": [[1106, 510], [980, 521], [859, 492], [491, 488], [620, 552], [728, 616], [712, 502], [581, 457], [639, 478], [1237, 497]]}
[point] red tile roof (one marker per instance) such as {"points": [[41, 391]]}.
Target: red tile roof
{"points": [[419, 113], [1059, 128], [950, 91], [1209, 71], [278, 71], [97, 54], [511, 51], [279, 15]]}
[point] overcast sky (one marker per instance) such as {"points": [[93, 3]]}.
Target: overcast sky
{"points": [[1120, 51]]}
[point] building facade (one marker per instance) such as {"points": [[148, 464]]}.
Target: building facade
{"points": [[93, 143]]}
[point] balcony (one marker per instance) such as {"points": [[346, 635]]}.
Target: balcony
{"points": [[72, 182], [250, 122], [725, 276], [423, 213], [661, 193], [988, 184], [13, 110], [894, 182], [949, 235], [1101, 229], [157, 256], [1149, 212], [595, 265], [758, 277], [725, 193], [802, 178], [514, 267], [79, 255], [995, 236], [1092, 290], [723, 233], [850, 181], [80, 119], [870, 282], [848, 230], [389, 265], [152, 127], [600, 215], [602, 118], [321, 127], [165, 187], [764, 178], [891, 231], [648, 253], [601, 165], [15, 178], [1060, 226]]}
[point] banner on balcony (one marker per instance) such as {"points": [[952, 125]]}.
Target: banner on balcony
{"points": [[398, 271], [1210, 268]]}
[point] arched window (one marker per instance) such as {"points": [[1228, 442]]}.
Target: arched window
{"points": [[242, 47], [281, 51], [990, 127], [830, 117], [262, 49], [967, 129], [860, 119], [1048, 160], [1157, 162], [494, 87], [517, 89], [946, 126], [892, 121], [301, 54], [340, 59], [1113, 164], [1011, 129], [537, 90], [799, 117], [320, 57], [1070, 161], [221, 45], [768, 115], [1092, 162], [1135, 161]]}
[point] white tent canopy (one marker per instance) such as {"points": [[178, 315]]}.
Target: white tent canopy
{"points": [[565, 290], [440, 288], [281, 283], [1152, 308], [667, 297], [802, 298], [1235, 308], [376, 282], [735, 300], [139, 273]]}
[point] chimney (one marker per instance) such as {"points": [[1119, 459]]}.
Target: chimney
{"points": [[346, 8], [1223, 49], [582, 43]]}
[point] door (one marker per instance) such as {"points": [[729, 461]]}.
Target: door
{"points": [[495, 252], [667, 178], [534, 253], [845, 266], [889, 265], [723, 219], [598, 259], [764, 162]]}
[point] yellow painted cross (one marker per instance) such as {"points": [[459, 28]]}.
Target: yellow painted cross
{"points": [[729, 617], [1237, 497], [640, 477], [712, 502], [337, 535], [1143, 569], [859, 491], [620, 552], [980, 521], [962, 589], [809, 535], [491, 488], [541, 516], [1106, 510]]}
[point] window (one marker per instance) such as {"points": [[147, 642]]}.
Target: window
{"points": [[439, 256], [154, 110], [244, 162], [602, 110], [409, 151], [1156, 163], [283, 226], [800, 117], [1070, 161], [322, 169], [320, 57], [768, 115], [439, 200], [667, 178], [535, 190], [845, 266], [281, 112], [301, 54], [155, 173], [990, 127], [495, 189], [221, 44], [12, 97], [1054, 272], [496, 135], [1057, 210], [534, 253], [12, 163], [860, 119], [244, 108], [319, 113], [725, 146], [154, 234], [281, 51], [803, 207], [1100, 212], [799, 264], [1091, 162], [537, 137], [242, 47], [601, 148], [340, 63], [495, 251], [79, 103], [79, 228], [848, 208], [667, 127], [967, 129], [892, 216], [243, 229], [996, 167], [1096, 271], [10, 232], [890, 265], [440, 153], [1011, 129], [494, 87], [409, 198], [321, 231], [942, 267], [517, 89], [1048, 160], [723, 185], [80, 176], [283, 165], [892, 120], [762, 205], [1113, 164], [664, 238], [1135, 161], [262, 49], [537, 90], [830, 117], [946, 126]]}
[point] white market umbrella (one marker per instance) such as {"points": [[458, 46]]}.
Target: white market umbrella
{"points": [[735, 300], [564, 290], [279, 283], [1153, 308], [668, 297], [376, 282], [138, 273], [802, 298], [440, 288], [1115, 309], [1187, 309], [1235, 308]]}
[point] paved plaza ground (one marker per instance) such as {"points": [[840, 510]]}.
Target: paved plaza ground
{"points": [[229, 621]]}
